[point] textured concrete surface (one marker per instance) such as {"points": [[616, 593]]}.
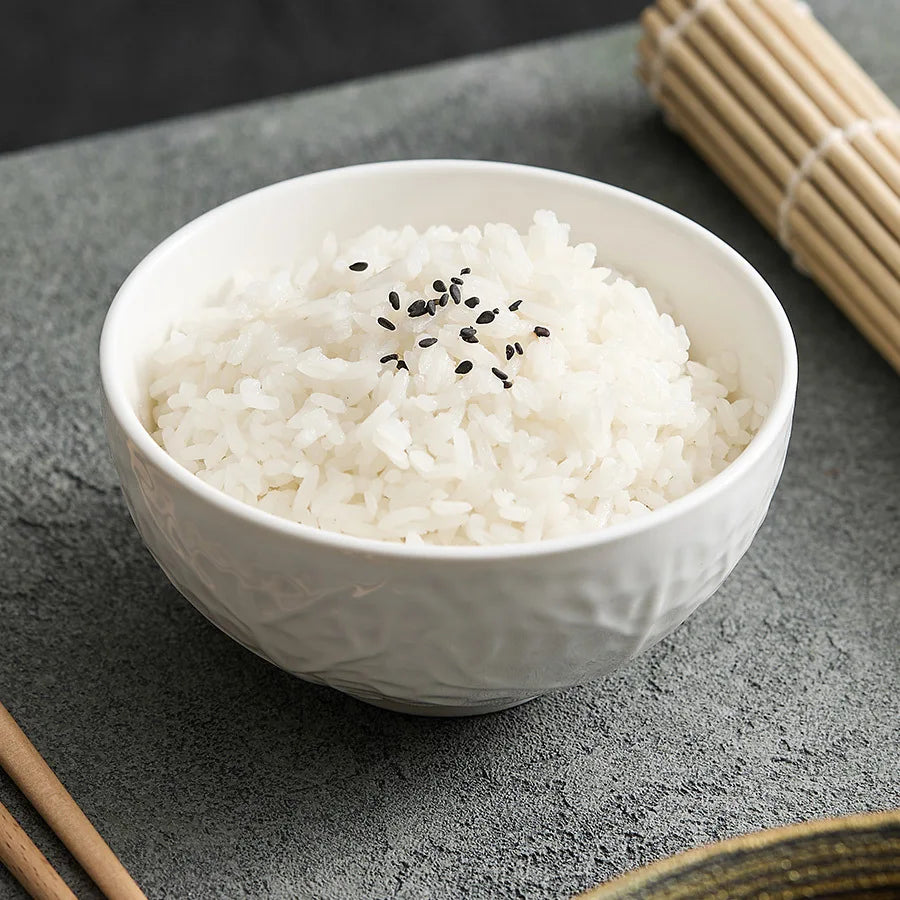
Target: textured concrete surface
{"points": [[213, 774]]}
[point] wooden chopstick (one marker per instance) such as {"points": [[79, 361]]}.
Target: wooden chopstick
{"points": [[29, 866], [36, 780]]}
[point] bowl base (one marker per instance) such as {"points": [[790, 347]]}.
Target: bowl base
{"points": [[438, 709]]}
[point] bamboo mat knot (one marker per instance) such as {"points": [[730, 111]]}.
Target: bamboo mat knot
{"points": [[808, 163], [667, 37], [677, 29]]}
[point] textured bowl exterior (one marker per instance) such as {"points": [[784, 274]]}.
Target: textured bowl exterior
{"points": [[446, 630], [464, 634]]}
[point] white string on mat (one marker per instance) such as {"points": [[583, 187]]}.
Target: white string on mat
{"points": [[806, 165], [667, 37], [674, 30], [671, 33]]}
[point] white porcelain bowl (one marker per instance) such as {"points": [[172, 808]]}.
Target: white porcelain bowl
{"points": [[460, 629]]}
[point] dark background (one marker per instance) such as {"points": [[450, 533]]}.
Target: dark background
{"points": [[73, 67]]}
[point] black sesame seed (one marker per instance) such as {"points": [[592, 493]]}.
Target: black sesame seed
{"points": [[500, 373], [465, 271], [540, 331], [402, 365], [394, 299], [509, 351], [472, 302], [464, 367], [456, 280], [427, 342], [359, 266], [496, 311], [439, 286], [431, 306], [385, 323], [514, 306], [444, 300], [507, 384], [518, 347], [454, 293], [469, 338], [417, 308], [389, 358], [467, 330], [486, 317]]}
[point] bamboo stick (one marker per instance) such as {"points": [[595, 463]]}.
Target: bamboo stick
{"points": [[747, 178], [757, 87], [797, 134], [828, 192], [811, 82], [799, 106], [740, 173], [834, 63], [846, 242], [734, 177]]}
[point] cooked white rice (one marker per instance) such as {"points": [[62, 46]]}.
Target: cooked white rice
{"points": [[274, 393]]}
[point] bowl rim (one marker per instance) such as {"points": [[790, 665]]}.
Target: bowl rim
{"points": [[120, 408]]}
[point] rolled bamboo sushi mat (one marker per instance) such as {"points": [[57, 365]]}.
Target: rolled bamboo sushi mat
{"points": [[799, 132]]}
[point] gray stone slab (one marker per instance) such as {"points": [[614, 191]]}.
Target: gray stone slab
{"points": [[214, 774]]}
